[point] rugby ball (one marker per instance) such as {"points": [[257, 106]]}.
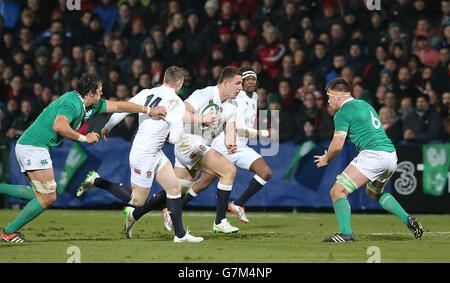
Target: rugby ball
{"points": [[210, 108]]}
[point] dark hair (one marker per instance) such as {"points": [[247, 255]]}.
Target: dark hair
{"points": [[228, 73], [174, 73], [424, 96], [88, 83], [339, 84]]}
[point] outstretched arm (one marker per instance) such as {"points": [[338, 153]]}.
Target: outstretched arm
{"points": [[129, 107], [335, 147]]}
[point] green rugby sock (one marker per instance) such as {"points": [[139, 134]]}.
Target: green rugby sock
{"points": [[389, 203], [32, 210], [343, 211], [17, 191]]}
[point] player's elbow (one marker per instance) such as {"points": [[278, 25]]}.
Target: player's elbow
{"points": [[58, 127]]}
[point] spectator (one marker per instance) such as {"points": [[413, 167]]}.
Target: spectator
{"points": [[406, 106], [22, 122], [122, 25], [424, 124], [428, 56], [391, 124], [136, 37], [10, 11], [108, 14], [336, 68], [271, 52]]}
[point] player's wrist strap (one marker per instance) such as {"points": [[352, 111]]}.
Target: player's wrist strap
{"points": [[82, 138]]}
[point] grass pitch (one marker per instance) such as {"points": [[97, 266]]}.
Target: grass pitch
{"points": [[268, 238]]}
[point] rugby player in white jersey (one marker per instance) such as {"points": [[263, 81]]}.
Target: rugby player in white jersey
{"points": [[193, 153], [147, 160], [245, 157]]}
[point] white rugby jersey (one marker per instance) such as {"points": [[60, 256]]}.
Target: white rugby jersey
{"points": [[246, 113], [152, 131], [201, 98]]}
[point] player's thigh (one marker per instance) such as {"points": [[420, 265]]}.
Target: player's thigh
{"points": [[216, 164], [351, 179], [32, 158], [184, 173]]}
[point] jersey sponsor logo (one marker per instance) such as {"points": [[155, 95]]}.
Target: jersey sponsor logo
{"points": [[44, 162], [406, 184], [149, 174], [192, 156], [137, 171]]}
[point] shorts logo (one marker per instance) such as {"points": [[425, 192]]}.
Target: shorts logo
{"points": [[149, 174], [211, 101], [202, 147], [44, 162], [28, 162], [137, 171], [88, 114], [193, 155]]}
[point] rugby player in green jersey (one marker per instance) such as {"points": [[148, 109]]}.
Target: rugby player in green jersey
{"points": [[58, 121], [374, 165]]}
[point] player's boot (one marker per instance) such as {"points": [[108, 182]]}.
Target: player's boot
{"points": [[88, 183], [167, 220], [239, 211], [15, 238], [188, 238], [415, 227], [129, 221], [224, 227], [340, 238]]}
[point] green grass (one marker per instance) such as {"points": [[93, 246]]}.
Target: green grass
{"points": [[269, 237]]}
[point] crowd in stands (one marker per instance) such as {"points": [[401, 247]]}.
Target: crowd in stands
{"points": [[396, 58]]}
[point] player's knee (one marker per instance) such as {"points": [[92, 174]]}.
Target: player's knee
{"points": [[230, 171], [265, 174], [373, 195]]}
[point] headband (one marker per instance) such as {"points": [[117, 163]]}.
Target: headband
{"points": [[247, 74], [331, 92]]}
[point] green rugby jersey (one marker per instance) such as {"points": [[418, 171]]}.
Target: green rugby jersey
{"points": [[363, 126], [70, 104]]}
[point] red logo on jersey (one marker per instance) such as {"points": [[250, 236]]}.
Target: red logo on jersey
{"points": [[202, 147], [149, 174], [193, 155], [137, 171]]}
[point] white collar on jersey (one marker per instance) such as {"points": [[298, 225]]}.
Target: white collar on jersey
{"points": [[351, 98], [82, 100]]}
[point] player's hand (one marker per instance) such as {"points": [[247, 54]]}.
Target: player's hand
{"points": [[321, 160], [92, 137], [211, 119], [104, 133], [231, 148], [158, 112]]}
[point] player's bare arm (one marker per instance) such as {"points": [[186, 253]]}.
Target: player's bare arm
{"points": [[191, 117], [334, 149], [62, 127], [230, 137], [124, 106]]}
